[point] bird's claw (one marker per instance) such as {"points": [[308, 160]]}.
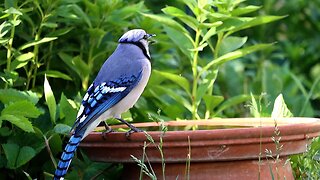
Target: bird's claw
{"points": [[132, 130], [107, 131]]}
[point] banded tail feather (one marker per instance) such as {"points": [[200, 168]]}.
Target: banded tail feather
{"points": [[66, 157]]}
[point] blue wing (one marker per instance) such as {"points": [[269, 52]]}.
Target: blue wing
{"points": [[101, 97]]}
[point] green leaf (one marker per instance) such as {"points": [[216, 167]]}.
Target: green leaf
{"points": [[18, 64], [11, 95], [254, 22], [234, 55], [62, 129], [212, 31], [183, 41], [280, 108], [55, 74], [17, 156], [21, 108], [179, 80], [12, 10], [212, 101], [168, 21], [26, 153], [68, 110], [11, 151], [33, 43], [205, 85], [82, 15], [25, 57], [51, 101], [188, 20], [244, 10], [231, 43], [20, 121], [232, 102]]}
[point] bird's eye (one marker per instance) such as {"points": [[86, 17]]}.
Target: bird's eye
{"points": [[145, 37]]}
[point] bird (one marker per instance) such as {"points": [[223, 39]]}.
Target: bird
{"points": [[117, 87]]}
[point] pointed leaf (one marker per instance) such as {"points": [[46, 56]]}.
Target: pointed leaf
{"points": [[232, 102], [166, 20], [25, 57], [56, 74], [280, 108], [20, 121], [11, 151], [231, 43], [188, 20], [51, 101], [33, 43], [11, 95], [26, 153], [244, 10], [179, 80], [234, 55], [21, 108]]}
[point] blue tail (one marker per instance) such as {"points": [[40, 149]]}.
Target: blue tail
{"points": [[67, 156]]}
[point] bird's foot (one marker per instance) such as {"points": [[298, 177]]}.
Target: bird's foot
{"points": [[132, 130], [107, 131]]}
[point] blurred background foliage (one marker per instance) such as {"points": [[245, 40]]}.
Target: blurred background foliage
{"points": [[51, 51]]}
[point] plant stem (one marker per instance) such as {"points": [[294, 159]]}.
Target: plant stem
{"points": [[195, 75], [9, 51], [216, 54]]}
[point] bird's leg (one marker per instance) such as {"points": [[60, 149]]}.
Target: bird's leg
{"points": [[132, 127], [107, 131]]}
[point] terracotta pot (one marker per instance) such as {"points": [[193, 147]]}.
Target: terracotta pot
{"points": [[229, 150]]}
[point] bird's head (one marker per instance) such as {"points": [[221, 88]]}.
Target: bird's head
{"points": [[138, 37]]}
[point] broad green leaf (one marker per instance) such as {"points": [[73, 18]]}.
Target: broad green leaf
{"points": [[12, 10], [255, 22], [179, 80], [280, 109], [212, 31], [166, 20], [62, 129], [212, 101], [11, 95], [21, 108], [68, 110], [187, 19], [11, 151], [82, 15], [183, 41], [244, 10], [26, 153], [232, 102], [205, 85], [25, 57], [49, 25], [56, 74], [51, 101], [234, 55], [33, 43], [18, 64], [254, 109], [20, 121], [178, 98], [231, 43]]}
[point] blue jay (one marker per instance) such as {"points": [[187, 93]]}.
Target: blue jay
{"points": [[117, 87]]}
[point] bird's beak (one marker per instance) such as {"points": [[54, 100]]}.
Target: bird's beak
{"points": [[150, 36]]}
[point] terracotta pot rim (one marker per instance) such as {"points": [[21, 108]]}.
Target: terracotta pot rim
{"points": [[206, 145], [290, 128]]}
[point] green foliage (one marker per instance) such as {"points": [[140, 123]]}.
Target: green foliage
{"points": [[206, 37], [50, 51]]}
